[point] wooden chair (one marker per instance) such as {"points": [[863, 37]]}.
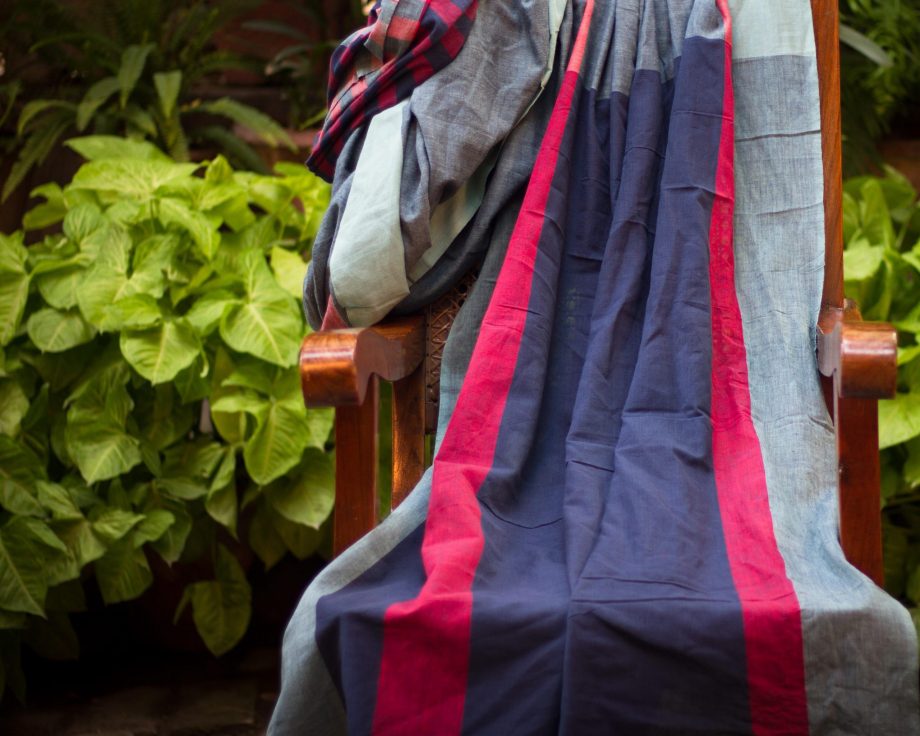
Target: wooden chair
{"points": [[857, 360]]}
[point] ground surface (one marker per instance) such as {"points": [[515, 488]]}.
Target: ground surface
{"points": [[189, 695]]}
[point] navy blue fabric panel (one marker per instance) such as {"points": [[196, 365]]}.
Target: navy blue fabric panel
{"points": [[521, 592], [655, 641], [616, 323], [349, 626]]}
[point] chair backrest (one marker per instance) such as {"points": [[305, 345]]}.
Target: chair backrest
{"points": [[858, 361]]}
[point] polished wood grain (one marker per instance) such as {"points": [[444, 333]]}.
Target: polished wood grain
{"points": [[408, 434], [860, 359], [860, 356], [341, 368], [355, 469], [856, 423], [335, 365], [827, 48]]}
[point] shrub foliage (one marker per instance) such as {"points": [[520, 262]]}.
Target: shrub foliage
{"points": [[151, 399]]}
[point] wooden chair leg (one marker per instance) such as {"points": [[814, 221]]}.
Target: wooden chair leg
{"points": [[355, 470], [408, 433], [856, 426]]}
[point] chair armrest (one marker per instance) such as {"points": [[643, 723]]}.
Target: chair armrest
{"points": [[336, 365], [861, 356], [860, 359]]}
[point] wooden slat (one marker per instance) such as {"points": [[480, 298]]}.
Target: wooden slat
{"points": [[408, 434], [860, 503], [355, 470], [857, 359], [827, 43]]}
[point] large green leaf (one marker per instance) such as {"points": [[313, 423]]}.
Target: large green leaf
{"points": [[133, 60], [101, 450], [253, 374], [221, 502], [102, 286], [289, 269], [898, 419], [155, 524], [277, 444], [302, 541], [171, 543], [232, 426], [159, 354], [308, 499], [183, 486], [191, 382], [202, 227], [26, 548], [168, 85], [111, 524], [258, 122], [13, 406], [102, 394], [54, 331], [875, 218], [49, 212], [85, 547], [269, 328], [221, 608], [61, 287], [96, 96], [81, 221], [57, 499], [19, 471], [122, 572], [264, 538], [206, 313], [136, 312], [14, 285], [34, 108], [162, 419], [109, 246], [97, 147], [862, 262], [130, 178]]}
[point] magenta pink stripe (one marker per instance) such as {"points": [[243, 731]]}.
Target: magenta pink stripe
{"points": [[426, 641], [770, 610]]}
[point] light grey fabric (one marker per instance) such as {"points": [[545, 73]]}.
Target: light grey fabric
{"points": [[779, 249]]}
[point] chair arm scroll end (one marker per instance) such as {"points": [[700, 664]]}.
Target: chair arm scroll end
{"points": [[336, 365], [861, 356]]}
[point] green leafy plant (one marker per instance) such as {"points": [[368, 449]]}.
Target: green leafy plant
{"points": [[311, 29], [882, 273], [151, 399], [880, 71], [127, 68]]}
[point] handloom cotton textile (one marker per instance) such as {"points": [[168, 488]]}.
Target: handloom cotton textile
{"points": [[630, 526]]}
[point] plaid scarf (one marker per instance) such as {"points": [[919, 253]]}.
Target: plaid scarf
{"points": [[404, 43]]}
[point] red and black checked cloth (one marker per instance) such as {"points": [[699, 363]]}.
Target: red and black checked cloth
{"points": [[404, 43]]}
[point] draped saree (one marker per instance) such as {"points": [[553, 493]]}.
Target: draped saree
{"points": [[630, 522]]}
